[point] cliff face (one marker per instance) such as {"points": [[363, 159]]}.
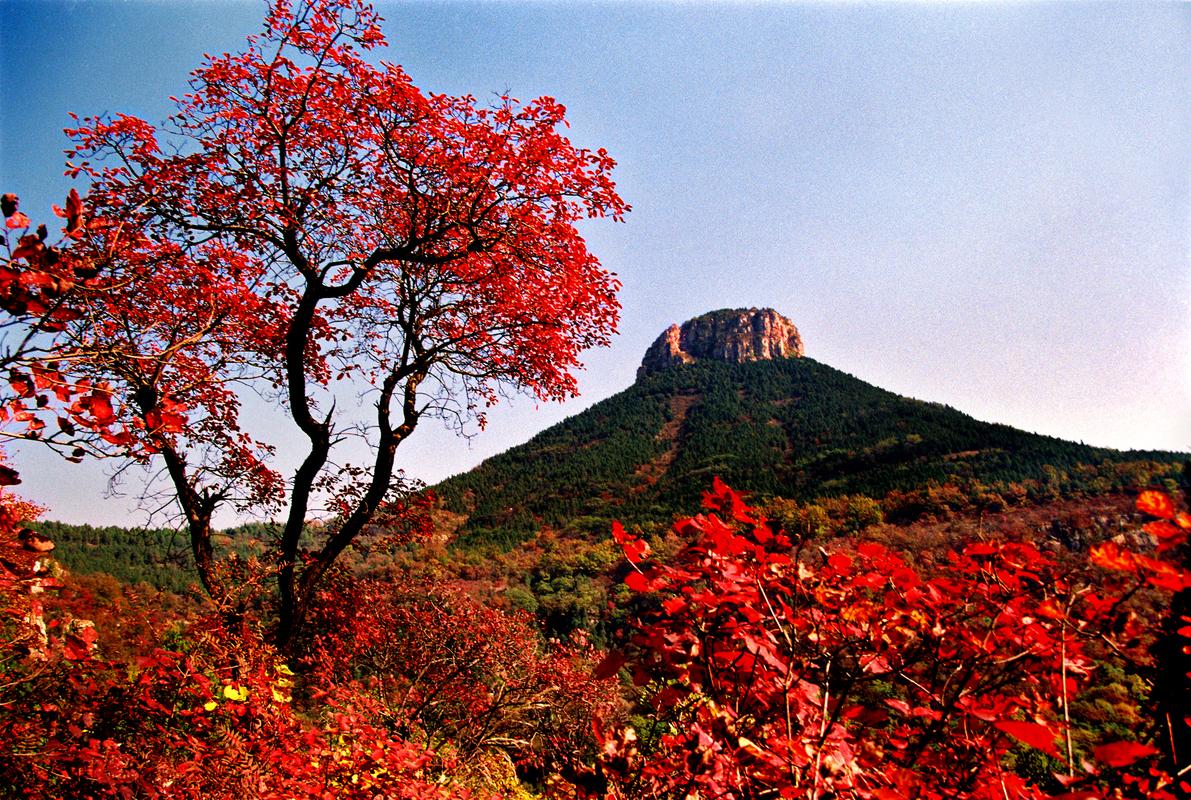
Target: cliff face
{"points": [[732, 335]]}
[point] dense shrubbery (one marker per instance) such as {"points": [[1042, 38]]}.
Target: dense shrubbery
{"points": [[414, 693], [764, 663], [774, 669]]}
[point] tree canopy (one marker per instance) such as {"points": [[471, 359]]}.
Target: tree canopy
{"points": [[309, 225]]}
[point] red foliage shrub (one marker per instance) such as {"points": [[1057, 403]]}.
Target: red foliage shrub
{"points": [[773, 671], [216, 721], [465, 680]]}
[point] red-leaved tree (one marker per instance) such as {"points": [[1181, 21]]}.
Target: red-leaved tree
{"points": [[308, 217], [45, 279]]}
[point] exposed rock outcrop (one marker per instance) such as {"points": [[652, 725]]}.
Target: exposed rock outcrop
{"points": [[732, 335]]}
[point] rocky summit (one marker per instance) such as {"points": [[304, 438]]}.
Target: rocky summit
{"points": [[729, 335]]}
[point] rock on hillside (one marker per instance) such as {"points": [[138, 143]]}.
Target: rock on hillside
{"points": [[730, 335]]}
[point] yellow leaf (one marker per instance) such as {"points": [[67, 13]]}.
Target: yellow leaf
{"points": [[280, 696], [210, 705], [749, 746], [235, 693]]}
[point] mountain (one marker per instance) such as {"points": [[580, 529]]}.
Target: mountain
{"points": [[729, 335], [729, 393]]}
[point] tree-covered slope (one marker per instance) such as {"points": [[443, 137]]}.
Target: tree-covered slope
{"points": [[792, 428]]}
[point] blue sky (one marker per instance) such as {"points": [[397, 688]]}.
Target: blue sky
{"points": [[985, 205]]}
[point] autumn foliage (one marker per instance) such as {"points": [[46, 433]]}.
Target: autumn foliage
{"points": [[773, 669], [762, 667], [45, 281], [471, 682], [308, 227], [424, 695]]}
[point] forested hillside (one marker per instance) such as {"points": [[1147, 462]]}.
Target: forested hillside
{"points": [[159, 557], [792, 428]]}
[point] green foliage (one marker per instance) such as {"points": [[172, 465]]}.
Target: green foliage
{"points": [[791, 428], [157, 557], [860, 512]]}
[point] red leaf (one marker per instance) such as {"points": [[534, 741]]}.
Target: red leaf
{"points": [[74, 211], [871, 550], [1122, 754], [1031, 733], [1110, 555], [619, 533], [980, 549], [637, 582], [610, 665], [674, 606], [77, 647], [634, 549], [1156, 504], [99, 405], [27, 250], [22, 385], [1165, 532], [840, 562]]}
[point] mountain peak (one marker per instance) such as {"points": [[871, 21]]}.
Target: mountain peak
{"points": [[734, 335]]}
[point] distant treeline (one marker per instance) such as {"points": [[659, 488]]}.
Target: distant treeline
{"points": [[159, 557]]}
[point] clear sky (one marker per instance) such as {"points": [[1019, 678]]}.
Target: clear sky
{"points": [[981, 204]]}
